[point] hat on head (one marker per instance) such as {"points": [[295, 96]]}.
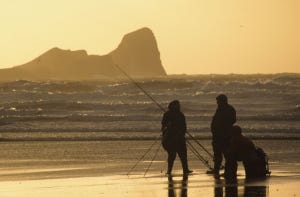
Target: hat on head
{"points": [[173, 105]]}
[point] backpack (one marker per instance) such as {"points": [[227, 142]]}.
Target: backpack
{"points": [[259, 166], [264, 162]]}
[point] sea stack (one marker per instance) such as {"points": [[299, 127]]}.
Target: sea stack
{"points": [[137, 55]]}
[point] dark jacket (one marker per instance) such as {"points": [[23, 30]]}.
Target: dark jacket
{"points": [[241, 147], [224, 118], [174, 123]]}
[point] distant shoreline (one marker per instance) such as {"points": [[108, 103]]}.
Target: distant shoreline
{"points": [[168, 76]]}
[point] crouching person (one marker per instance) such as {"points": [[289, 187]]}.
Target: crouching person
{"points": [[243, 149]]}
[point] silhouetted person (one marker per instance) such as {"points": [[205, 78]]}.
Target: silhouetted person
{"points": [[223, 119], [174, 129], [243, 149]]}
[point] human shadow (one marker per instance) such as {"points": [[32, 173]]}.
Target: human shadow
{"points": [[177, 188], [232, 189]]}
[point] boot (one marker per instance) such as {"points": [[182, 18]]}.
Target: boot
{"points": [[185, 168], [215, 171], [187, 171]]}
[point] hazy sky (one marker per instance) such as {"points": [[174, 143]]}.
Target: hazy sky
{"points": [[194, 36]]}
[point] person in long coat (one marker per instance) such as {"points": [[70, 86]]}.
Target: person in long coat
{"points": [[174, 142]]}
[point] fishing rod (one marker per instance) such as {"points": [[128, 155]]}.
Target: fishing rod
{"points": [[142, 89], [142, 157], [159, 106], [200, 145], [157, 150], [197, 154]]}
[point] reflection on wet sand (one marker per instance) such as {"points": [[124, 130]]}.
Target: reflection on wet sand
{"points": [[247, 188], [177, 188], [233, 190]]}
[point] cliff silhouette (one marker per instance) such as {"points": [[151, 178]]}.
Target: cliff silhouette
{"points": [[137, 55]]}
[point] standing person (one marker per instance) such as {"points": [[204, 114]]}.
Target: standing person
{"points": [[173, 141], [222, 122]]}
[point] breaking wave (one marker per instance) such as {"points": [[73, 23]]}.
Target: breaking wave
{"points": [[114, 107]]}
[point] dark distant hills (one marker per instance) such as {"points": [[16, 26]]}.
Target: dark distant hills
{"points": [[137, 55]]}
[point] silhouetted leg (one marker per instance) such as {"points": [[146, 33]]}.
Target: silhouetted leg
{"points": [[171, 158], [183, 158], [248, 169], [217, 156], [230, 168]]}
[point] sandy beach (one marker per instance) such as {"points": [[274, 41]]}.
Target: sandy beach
{"points": [[198, 184], [96, 168], [153, 185]]}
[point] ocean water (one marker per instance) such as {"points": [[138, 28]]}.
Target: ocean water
{"points": [[268, 107]]}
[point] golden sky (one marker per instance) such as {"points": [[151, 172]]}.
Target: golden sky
{"points": [[194, 36]]}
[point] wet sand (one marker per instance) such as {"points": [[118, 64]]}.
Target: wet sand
{"points": [[198, 184], [99, 169]]}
